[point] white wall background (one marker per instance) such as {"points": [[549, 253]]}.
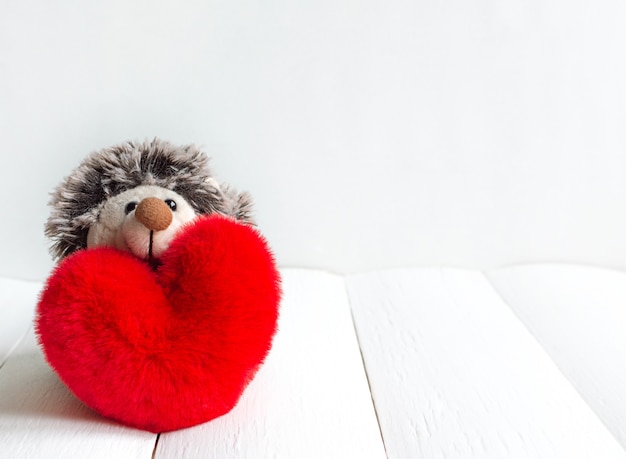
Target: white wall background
{"points": [[371, 133]]}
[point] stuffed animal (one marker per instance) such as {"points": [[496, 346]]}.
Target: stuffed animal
{"points": [[165, 299]]}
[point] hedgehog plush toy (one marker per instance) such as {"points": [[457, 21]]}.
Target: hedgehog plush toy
{"points": [[165, 299]]}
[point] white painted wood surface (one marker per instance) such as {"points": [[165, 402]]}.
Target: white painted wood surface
{"points": [[17, 304], [578, 314], [455, 374], [310, 399]]}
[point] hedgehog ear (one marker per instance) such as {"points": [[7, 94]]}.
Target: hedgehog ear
{"points": [[243, 208], [218, 199], [238, 205], [225, 200], [214, 183]]}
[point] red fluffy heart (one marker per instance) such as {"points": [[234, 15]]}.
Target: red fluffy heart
{"points": [[167, 348]]}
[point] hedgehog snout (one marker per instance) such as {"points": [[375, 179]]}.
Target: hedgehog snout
{"points": [[154, 214]]}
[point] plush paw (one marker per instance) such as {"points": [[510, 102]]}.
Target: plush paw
{"points": [[168, 347]]}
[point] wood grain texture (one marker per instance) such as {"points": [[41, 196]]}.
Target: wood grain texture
{"points": [[40, 418], [455, 374], [310, 399], [17, 305], [578, 314]]}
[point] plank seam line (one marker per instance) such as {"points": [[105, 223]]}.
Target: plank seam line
{"points": [[156, 444], [367, 377], [497, 291], [15, 346]]}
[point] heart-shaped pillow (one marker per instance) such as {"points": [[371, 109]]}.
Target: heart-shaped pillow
{"points": [[168, 347]]}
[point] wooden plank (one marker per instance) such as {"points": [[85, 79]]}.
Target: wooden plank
{"points": [[455, 374], [40, 418], [309, 400], [578, 314], [17, 306]]}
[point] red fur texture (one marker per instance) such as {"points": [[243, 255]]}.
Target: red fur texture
{"points": [[168, 348]]}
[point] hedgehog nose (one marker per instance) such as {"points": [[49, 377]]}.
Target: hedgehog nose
{"points": [[154, 214]]}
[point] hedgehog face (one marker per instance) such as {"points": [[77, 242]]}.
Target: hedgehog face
{"points": [[142, 220], [89, 206]]}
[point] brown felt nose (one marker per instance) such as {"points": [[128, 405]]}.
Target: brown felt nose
{"points": [[154, 214]]}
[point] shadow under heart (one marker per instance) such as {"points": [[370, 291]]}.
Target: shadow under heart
{"points": [[29, 387]]}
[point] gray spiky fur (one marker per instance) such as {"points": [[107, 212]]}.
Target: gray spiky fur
{"points": [[77, 201]]}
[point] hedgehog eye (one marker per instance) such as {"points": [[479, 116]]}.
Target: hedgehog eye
{"points": [[171, 203], [130, 207]]}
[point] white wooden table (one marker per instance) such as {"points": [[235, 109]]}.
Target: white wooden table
{"points": [[527, 361]]}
